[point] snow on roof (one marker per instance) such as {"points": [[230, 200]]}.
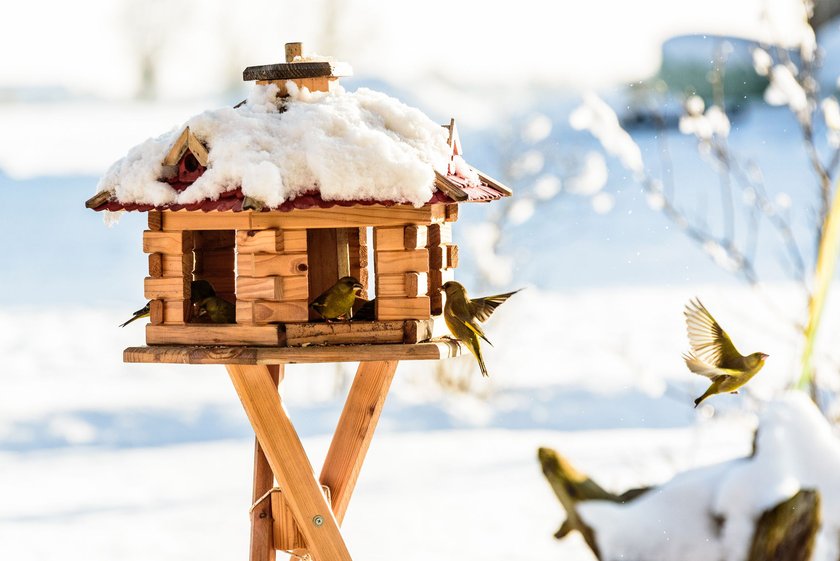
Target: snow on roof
{"points": [[345, 146]]}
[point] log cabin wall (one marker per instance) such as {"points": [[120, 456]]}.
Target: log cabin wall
{"points": [[273, 276]]}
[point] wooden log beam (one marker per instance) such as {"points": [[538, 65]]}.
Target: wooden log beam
{"points": [[355, 430], [271, 241], [214, 334], [173, 353], [262, 535], [289, 463]]}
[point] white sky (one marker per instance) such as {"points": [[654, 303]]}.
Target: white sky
{"points": [[86, 45]]}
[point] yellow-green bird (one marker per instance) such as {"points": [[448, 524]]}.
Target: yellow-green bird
{"points": [[141, 313], [462, 316], [337, 301], [217, 310], [714, 356], [199, 290]]}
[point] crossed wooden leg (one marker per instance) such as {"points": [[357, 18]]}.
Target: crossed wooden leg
{"points": [[278, 441]]}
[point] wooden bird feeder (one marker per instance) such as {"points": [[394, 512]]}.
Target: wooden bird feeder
{"points": [[271, 263]]}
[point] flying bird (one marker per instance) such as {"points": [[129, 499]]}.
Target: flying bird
{"points": [[463, 316], [714, 356], [337, 301]]}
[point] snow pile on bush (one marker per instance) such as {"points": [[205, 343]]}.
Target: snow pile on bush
{"points": [[795, 450], [361, 145]]}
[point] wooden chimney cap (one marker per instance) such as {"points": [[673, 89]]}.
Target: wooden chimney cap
{"points": [[291, 70]]}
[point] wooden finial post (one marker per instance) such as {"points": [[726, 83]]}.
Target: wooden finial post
{"points": [[293, 50]]}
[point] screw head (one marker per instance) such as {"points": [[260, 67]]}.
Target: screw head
{"points": [[318, 520]]}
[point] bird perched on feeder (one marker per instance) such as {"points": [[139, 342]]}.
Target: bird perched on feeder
{"points": [[714, 356], [462, 316], [337, 301], [141, 313], [217, 310], [199, 290]]}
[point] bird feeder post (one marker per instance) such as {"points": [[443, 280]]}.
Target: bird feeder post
{"points": [[268, 264]]}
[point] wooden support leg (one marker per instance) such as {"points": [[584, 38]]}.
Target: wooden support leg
{"points": [[262, 543], [355, 431], [288, 461]]}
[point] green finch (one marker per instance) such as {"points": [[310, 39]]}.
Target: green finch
{"points": [[462, 316], [714, 356], [141, 313], [199, 290], [337, 301], [217, 310]]}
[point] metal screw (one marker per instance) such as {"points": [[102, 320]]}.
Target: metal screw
{"points": [[318, 520]]}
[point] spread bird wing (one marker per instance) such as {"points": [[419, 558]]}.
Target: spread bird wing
{"points": [[709, 342], [483, 308], [712, 372]]}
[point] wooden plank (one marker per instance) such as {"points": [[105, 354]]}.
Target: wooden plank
{"points": [[293, 50], [354, 432], [293, 70], [451, 212], [177, 288], [358, 254], [289, 462], [155, 220], [416, 236], [440, 234], [272, 288], [169, 312], [450, 188], [389, 262], [316, 84], [156, 265], [401, 285], [415, 331], [400, 237], [435, 349], [262, 519], [173, 243], [200, 220], [346, 217], [438, 213], [213, 334], [271, 241], [287, 535], [265, 311], [342, 251], [403, 308], [323, 262], [343, 333], [443, 256], [99, 199], [498, 185], [391, 238], [178, 148], [269, 264], [165, 265]]}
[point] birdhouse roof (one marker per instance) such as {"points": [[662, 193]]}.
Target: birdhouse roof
{"points": [[310, 149]]}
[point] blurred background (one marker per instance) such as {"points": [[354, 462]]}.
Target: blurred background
{"points": [[658, 150]]}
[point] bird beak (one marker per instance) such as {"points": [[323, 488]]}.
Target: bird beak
{"points": [[764, 356], [358, 286]]}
